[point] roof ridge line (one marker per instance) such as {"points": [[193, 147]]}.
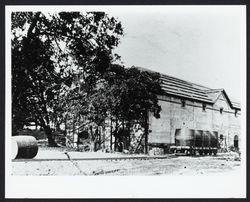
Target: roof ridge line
{"points": [[216, 89], [146, 69]]}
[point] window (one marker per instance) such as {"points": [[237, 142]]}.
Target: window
{"points": [[183, 103], [221, 110], [204, 107]]}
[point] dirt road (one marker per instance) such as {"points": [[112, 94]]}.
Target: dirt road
{"points": [[182, 165]]}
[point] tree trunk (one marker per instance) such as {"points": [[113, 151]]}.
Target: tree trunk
{"points": [[115, 134], [73, 131], [92, 142], [146, 132], [103, 137], [51, 141], [129, 137], [111, 140]]}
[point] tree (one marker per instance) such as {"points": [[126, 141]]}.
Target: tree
{"points": [[131, 94], [48, 52], [126, 95]]}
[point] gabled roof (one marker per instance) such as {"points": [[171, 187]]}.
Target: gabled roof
{"points": [[187, 90], [215, 94]]}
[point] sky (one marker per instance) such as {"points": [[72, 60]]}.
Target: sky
{"points": [[200, 44], [205, 45]]}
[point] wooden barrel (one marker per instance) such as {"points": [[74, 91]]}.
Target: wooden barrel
{"points": [[24, 147]]}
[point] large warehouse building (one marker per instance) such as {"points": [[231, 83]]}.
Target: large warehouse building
{"points": [[195, 107]]}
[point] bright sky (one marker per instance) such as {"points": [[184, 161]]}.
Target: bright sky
{"points": [[204, 45], [201, 44]]}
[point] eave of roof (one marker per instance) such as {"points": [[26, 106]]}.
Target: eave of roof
{"points": [[181, 88], [188, 90]]}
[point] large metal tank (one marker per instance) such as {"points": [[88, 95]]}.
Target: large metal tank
{"points": [[192, 141], [206, 139], [24, 147], [184, 137], [214, 139], [198, 138]]}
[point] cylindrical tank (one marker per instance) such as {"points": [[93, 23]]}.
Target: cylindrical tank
{"points": [[198, 137], [184, 137], [214, 139], [206, 138], [24, 147], [14, 148]]}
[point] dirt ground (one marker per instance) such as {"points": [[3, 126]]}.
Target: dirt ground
{"points": [[181, 165]]}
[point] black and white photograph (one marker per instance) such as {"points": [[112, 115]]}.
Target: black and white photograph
{"points": [[125, 101]]}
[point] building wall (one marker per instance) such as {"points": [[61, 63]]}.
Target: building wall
{"points": [[174, 116]]}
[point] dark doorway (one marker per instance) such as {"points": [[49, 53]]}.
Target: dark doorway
{"points": [[236, 142]]}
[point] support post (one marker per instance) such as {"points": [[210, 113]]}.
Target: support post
{"points": [[146, 132], [111, 139]]}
